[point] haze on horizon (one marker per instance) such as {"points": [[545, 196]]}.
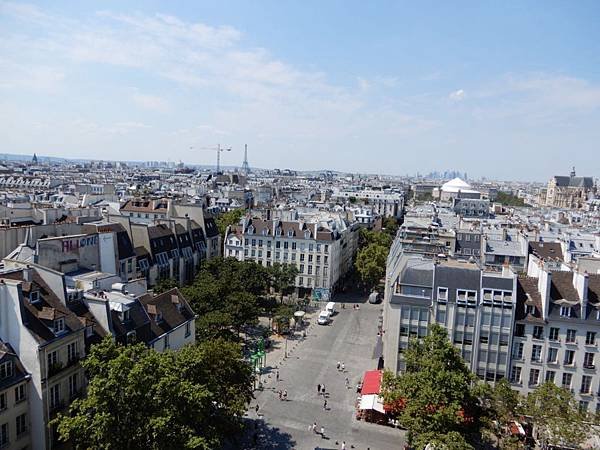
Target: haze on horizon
{"points": [[507, 91]]}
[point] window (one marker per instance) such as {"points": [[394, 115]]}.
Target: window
{"points": [[187, 329], [517, 350], [566, 380], [569, 357], [59, 326], [21, 424], [586, 384], [583, 406], [20, 393], [534, 377], [565, 311], [552, 355], [253, 242], [6, 369], [515, 374], [167, 345], [590, 338], [550, 374], [520, 330], [571, 336], [55, 396], [73, 385], [588, 360], [72, 353], [553, 336], [310, 258], [260, 242], [3, 434], [442, 294], [530, 309], [538, 332], [3, 401], [536, 353]]}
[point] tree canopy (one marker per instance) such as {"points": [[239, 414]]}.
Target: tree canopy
{"points": [[229, 218], [434, 394], [557, 416], [140, 399], [225, 295], [371, 258]]}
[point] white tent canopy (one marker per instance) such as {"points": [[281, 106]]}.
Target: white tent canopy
{"points": [[372, 401]]}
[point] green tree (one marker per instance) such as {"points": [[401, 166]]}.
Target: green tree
{"points": [[283, 277], [390, 225], [557, 417], [370, 264], [442, 441], [434, 395], [140, 399], [368, 237], [501, 404], [227, 219], [509, 200], [164, 285]]}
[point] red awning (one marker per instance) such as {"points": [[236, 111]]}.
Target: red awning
{"points": [[371, 382]]}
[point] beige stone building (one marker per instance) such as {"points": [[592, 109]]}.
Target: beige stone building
{"points": [[569, 192]]}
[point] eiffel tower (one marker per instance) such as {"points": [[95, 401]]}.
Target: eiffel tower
{"points": [[245, 165]]}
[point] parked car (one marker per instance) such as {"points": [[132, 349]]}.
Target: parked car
{"points": [[374, 297], [324, 318]]}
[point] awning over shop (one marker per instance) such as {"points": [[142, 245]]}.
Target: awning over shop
{"points": [[373, 402], [371, 382]]}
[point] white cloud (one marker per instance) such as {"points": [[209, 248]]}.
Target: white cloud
{"points": [[151, 102], [457, 96]]}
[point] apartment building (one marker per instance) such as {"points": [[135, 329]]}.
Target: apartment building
{"points": [[322, 251], [557, 334], [475, 306], [14, 400], [49, 340]]}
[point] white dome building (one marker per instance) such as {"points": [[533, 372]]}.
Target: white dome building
{"points": [[457, 188]]}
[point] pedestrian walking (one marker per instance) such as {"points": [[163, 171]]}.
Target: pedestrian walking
{"points": [[318, 389], [285, 395], [347, 382], [322, 432], [325, 405], [277, 375], [257, 408], [338, 365], [280, 394], [314, 427], [323, 389], [343, 367], [343, 445]]}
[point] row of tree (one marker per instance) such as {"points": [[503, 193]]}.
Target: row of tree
{"points": [[440, 401], [372, 254]]}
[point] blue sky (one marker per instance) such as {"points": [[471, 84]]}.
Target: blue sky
{"points": [[507, 90]]}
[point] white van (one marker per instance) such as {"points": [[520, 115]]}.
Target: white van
{"points": [[330, 307], [324, 318]]}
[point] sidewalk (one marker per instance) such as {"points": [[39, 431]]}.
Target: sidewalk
{"points": [[276, 354]]}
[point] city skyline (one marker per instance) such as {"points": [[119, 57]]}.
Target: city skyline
{"points": [[499, 91]]}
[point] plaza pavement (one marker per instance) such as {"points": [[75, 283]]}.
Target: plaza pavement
{"points": [[351, 338]]}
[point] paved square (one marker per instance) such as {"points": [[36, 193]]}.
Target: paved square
{"points": [[351, 338]]}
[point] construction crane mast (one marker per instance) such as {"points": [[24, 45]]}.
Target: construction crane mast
{"points": [[218, 149]]}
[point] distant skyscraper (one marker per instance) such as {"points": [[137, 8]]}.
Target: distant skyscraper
{"points": [[245, 165]]}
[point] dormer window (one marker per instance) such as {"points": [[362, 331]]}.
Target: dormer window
{"points": [[278, 232], [265, 231], [442, 294], [565, 311], [34, 296], [290, 233], [159, 317], [6, 370], [59, 326], [126, 315], [530, 309], [250, 229], [307, 234]]}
